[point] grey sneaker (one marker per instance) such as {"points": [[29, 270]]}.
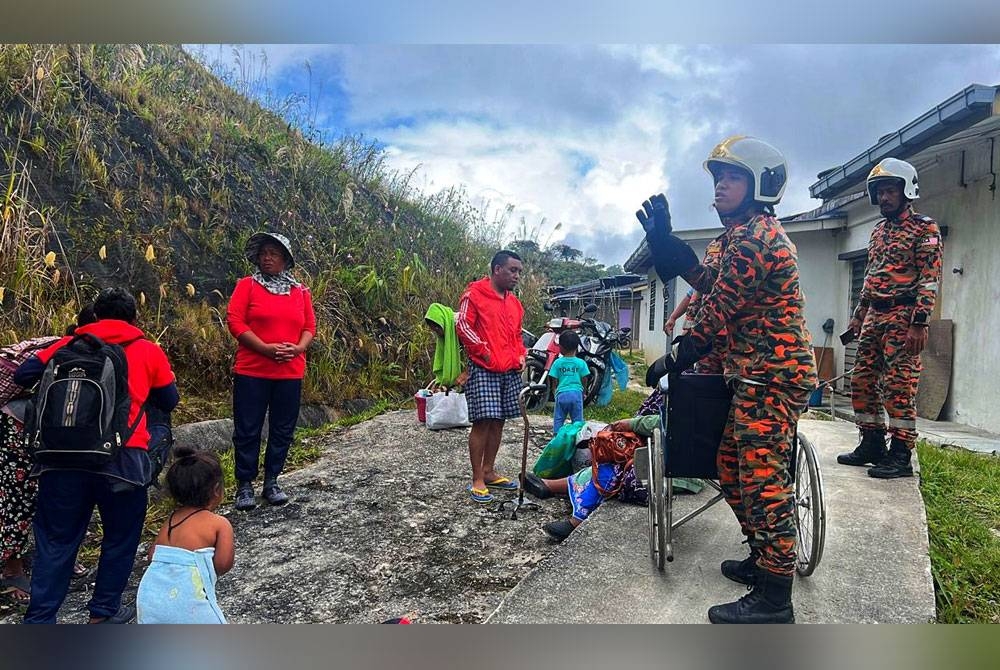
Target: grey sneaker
{"points": [[244, 497], [273, 494]]}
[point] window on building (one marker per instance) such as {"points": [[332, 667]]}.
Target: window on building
{"points": [[669, 298], [652, 304]]}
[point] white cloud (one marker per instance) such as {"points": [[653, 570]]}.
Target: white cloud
{"points": [[522, 124]]}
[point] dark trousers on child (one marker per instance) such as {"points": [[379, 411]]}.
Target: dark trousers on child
{"points": [[66, 500], [253, 398]]}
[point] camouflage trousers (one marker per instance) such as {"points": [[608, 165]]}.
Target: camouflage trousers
{"points": [[885, 375], [755, 469]]}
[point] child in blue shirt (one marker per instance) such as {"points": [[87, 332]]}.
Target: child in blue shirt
{"points": [[570, 371]]}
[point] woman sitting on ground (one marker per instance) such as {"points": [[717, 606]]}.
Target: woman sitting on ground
{"points": [[612, 472]]}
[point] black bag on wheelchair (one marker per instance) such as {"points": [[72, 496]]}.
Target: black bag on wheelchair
{"points": [[697, 410]]}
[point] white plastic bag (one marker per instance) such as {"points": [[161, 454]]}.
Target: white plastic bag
{"points": [[447, 409]]}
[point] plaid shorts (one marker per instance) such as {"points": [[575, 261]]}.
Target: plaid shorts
{"points": [[492, 395]]}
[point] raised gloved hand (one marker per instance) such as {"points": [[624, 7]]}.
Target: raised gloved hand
{"points": [[688, 353], [672, 256], [655, 214]]}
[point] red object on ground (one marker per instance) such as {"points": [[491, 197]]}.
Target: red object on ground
{"points": [[421, 407]]}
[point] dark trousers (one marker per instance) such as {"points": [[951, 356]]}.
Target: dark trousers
{"points": [[253, 397], [66, 500]]}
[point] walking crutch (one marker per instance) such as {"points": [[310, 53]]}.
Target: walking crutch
{"points": [[519, 502]]}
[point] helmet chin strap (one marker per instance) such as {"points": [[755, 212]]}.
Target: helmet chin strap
{"points": [[743, 213]]}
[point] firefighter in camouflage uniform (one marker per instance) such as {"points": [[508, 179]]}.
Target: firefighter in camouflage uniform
{"points": [[768, 362], [901, 284]]}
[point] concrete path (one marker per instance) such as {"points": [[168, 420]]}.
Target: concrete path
{"points": [[941, 433], [875, 568]]}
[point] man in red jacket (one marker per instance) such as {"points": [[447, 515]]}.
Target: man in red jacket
{"points": [[489, 325]]}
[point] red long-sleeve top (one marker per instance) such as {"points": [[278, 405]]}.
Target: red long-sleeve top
{"points": [[274, 319]]}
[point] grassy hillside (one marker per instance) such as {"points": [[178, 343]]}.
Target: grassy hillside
{"points": [[135, 165]]}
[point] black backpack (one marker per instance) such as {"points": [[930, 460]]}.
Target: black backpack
{"points": [[79, 415]]}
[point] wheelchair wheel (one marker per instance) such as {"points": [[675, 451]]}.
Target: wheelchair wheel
{"points": [[657, 522], [810, 512]]}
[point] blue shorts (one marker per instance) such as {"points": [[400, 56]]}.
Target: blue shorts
{"points": [[492, 395]]}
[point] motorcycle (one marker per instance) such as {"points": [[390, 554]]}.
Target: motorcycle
{"points": [[625, 338], [597, 339]]}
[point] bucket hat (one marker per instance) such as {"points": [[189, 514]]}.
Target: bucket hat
{"points": [[252, 249]]}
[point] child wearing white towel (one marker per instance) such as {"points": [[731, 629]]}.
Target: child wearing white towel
{"points": [[193, 547]]}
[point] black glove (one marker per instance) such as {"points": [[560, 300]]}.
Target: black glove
{"points": [[687, 353], [655, 215], [672, 256]]}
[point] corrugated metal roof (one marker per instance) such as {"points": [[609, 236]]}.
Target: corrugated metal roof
{"points": [[962, 110]]}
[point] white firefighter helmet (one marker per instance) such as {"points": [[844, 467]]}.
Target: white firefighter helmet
{"points": [[893, 168], [764, 163]]}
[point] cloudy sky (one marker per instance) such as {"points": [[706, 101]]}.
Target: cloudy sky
{"points": [[581, 134]]}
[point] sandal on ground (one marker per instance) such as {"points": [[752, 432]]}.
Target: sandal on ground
{"points": [[79, 571], [502, 484], [479, 495], [18, 587]]}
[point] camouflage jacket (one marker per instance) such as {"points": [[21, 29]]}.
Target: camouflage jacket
{"points": [[756, 297], [711, 262], [904, 259]]}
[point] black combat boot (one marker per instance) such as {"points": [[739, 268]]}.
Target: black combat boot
{"points": [[895, 464], [744, 572], [769, 601], [870, 450]]}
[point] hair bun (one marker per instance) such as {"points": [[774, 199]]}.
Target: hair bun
{"points": [[184, 451]]}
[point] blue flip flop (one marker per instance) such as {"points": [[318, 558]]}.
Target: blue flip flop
{"points": [[479, 495], [502, 484]]}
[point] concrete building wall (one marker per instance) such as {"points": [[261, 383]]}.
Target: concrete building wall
{"points": [[970, 299], [654, 342], [818, 278]]}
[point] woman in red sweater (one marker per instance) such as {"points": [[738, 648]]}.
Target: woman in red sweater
{"points": [[271, 316]]}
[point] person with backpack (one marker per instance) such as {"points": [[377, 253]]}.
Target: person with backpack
{"points": [[86, 457]]}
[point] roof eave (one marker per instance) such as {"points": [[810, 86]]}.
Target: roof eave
{"points": [[962, 110]]}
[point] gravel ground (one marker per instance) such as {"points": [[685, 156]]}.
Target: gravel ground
{"points": [[380, 526]]}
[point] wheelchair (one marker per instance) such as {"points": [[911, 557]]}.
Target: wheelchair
{"points": [[686, 444]]}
